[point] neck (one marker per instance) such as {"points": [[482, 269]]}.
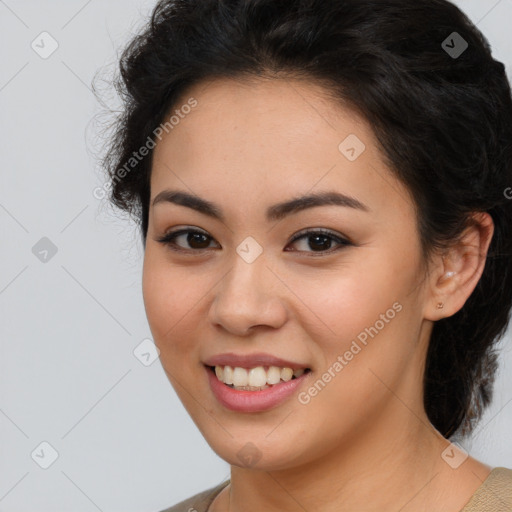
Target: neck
{"points": [[372, 471]]}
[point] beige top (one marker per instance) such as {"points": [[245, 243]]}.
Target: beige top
{"points": [[494, 495]]}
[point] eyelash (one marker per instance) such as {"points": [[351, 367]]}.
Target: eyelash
{"points": [[169, 240]]}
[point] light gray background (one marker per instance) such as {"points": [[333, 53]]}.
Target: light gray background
{"points": [[69, 326]]}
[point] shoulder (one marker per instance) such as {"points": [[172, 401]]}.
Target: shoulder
{"points": [[495, 493], [199, 502]]}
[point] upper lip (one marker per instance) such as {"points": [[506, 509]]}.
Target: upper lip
{"points": [[251, 361]]}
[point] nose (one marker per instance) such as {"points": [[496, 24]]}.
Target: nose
{"points": [[249, 296]]}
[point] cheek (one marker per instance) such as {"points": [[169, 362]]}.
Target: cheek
{"points": [[362, 314], [360, 339], [172, 298], [343, 302]]}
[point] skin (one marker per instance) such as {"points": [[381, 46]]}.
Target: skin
{"points": [[364, 441]]}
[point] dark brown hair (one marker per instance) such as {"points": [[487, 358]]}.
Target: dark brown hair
{"points": [[443, 121]]}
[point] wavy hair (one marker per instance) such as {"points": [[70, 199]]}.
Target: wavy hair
{"points": [[443, 122]]}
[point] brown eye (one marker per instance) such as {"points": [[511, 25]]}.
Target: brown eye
{"points": [[197, 240], [320, 241], [317, 241]]}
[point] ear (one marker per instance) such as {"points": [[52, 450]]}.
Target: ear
{"points": [[456, 271]]}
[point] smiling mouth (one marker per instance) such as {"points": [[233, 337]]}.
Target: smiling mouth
{"points": [[255, 379]]}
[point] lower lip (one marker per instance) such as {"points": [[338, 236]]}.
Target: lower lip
{"points": [[253, 401]]}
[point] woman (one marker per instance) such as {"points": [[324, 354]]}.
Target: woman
{"points": [[321, 187]]}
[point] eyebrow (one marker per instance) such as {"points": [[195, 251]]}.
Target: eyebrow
{"points": [[275, 212]]}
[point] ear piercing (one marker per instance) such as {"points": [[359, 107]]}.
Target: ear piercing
{"points": [[440, 305]]}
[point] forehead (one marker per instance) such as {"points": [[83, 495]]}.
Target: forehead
{"points": [[283, 137], [293, 108]]}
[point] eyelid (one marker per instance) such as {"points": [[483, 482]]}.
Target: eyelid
{"points": [[169, 236], [311, 231], [342, 241]]}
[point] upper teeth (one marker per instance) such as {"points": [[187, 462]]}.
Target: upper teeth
{"points": [[255, 377]]}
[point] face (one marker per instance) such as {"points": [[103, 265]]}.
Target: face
{"points": [[334, 288]]}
